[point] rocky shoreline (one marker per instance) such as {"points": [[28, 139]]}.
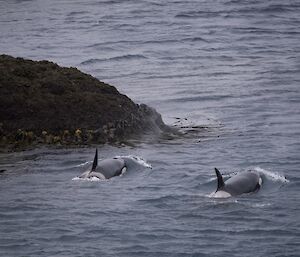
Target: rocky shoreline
{"points": [[43, 103]]}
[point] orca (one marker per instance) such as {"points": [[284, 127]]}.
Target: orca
{"points": [[242, 183], [108, 168], [105, 169]]}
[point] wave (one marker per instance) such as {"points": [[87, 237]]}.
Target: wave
{"points": [[127, 57], [257, 204], [194, 39], [92, 179], [274, 176], [198, 14], [83, 164], [271, 9], [77, 13], [201, 98], [90, 61], [108, 2], [136, 159]]}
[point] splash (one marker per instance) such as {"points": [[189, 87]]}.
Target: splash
{"points": [[220, 199], [94, 179], [274, 176], [219, 194], [261, 205], [137, 160], [83, 164]]}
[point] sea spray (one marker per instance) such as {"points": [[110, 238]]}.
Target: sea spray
{"points": [[135, 160], [274, 176]]}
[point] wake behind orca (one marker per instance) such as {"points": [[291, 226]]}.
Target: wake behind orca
{"points": [[242, 183]]}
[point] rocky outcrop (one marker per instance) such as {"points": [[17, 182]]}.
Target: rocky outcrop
{"points": [[43, 103]]}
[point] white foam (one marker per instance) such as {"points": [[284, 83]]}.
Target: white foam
{"points": [[138, 160], [261, 205], [87, 179], [83, 164], [123, 171], [274, 176], [211, 179]]}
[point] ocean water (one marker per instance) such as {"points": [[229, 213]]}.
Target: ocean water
{"points": [[226, 72]]}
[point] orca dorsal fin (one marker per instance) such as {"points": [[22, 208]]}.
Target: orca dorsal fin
{"points": [[95, 162], [220, 179]]}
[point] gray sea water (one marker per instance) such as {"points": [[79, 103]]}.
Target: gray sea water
{"points": [[227, 71]]}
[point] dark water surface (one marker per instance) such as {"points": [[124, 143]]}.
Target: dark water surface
{"points": [[229, 69]]}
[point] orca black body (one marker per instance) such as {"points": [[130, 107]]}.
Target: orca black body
{"points": [[108, 168], [105, 169], [242, 183]]}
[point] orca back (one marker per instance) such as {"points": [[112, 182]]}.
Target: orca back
{"points": [[241, 183], [110, 167]]}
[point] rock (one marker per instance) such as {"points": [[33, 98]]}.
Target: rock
{"points": [[41, 102]]}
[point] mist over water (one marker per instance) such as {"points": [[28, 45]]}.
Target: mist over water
{"points": [[226, 72]]}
